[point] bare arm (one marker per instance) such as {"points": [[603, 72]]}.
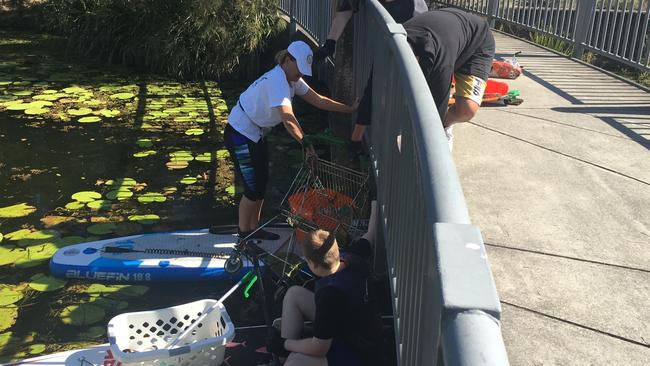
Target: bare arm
{"points": [[327, 104], [309, 346], [339, 22], [291, 122]]}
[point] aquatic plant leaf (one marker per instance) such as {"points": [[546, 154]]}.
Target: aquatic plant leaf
{"points": [[188, 180], [145, 219], [144, 142], [144, 154], [55, 220], [69, 240], [41, 252], [152, 197], [18, 234], [75, 90], [82, 314], [42, 235], [110, 113], [11, 294], [79, 112], [49, 97], [120, 195], [204, 158], [175, 165], [76, 205], [86, 196], [123, 96], [100, 205], [169, 190], [108, 303], [5, 338], [8, 317], [194, 132], [19, 210], [231, 190], [44, 283], [2, 237], [202, 120], [90, 119], [93, 333], [22, 93], [101, 228], [36, 349], [36, 111], [181, 156], [121, 182], [222, 154]]}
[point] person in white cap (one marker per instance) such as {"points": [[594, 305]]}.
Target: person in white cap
{"points": [[265, 104]]}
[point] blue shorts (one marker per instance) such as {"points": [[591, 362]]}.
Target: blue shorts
{"points": [[341, 354], [251, 162]]}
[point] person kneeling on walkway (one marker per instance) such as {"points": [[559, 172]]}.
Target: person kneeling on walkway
{"points": [[336, 308]]}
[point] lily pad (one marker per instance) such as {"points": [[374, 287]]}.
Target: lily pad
{"points": [[44, 283], [110, 113], [144, 142], [83, 314], [19, 210], [40, 252], [152, 197], [231, 190], [144, 154], [169, 190], [194, 132], [5, 338], [181, 156], [69, 240], [176, 165], [102, 228], [49, 97], [75, 90], [108, 303], [204, 158], [188, 180], [123, 96], [100, 205], [222, 154], [18, 234], [145, 219], [10, 294], [121, 182], [80, 111], [36, 111], [92, 333], [90, 119], [36, 349], [120, 195], [76, 205], [42, 235], [8, 317], [1, 237], [116, 291], [86, 196]]}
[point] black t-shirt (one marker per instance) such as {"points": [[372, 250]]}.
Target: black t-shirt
{"points": [[447, 41], [400, 10]]}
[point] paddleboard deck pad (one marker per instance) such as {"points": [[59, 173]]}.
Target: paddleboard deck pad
{"points": [[174, 256]]}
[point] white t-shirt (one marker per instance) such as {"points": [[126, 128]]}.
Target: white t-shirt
{"points": [[257, 110]]}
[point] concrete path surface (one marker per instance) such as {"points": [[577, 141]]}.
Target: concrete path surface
{"points": [[560, 187]]}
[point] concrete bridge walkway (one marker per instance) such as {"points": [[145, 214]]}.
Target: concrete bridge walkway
{"points": [[560, 187]]}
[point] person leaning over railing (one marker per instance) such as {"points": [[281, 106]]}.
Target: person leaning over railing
{"points": [[345, 331], [401, 11], [265, 104], [452, 43]]}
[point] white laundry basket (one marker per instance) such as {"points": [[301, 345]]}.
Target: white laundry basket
{"points": [[141, 338]]}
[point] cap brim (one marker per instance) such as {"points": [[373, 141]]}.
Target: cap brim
{"points": [[304, 68]]}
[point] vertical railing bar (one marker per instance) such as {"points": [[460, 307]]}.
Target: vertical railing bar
{"points": [[606, 27], [557, 18], [599, 29], [546, 11], [636, 31], [614, 26], [571, 16], [561, 34], [627, 31]]}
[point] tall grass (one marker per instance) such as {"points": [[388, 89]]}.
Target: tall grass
{"points": [[182, 38]]}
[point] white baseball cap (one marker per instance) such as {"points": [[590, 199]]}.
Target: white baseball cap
{"points": [[303, 55]]}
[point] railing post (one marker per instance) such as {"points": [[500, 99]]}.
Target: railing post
{"points": [[584, 19], [493, 7], [293, 25]]}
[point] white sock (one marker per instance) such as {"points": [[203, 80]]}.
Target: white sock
{"points": [[372, 223]]}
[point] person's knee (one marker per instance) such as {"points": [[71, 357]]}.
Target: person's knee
{"points": [[292, 295], [299, 359]]}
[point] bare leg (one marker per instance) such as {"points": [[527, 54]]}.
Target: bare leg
{"points": [[299, 359], [247, 209], [256, 214], [298, 305]]}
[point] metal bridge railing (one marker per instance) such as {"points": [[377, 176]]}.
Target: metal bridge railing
{"points": [[617, 29], [445, 303]]}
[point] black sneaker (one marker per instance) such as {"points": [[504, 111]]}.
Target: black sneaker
{"points": [[262, 234]]}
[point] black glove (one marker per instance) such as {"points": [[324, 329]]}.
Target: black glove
{"points": [[275, 344], [326, 51], [355, 149]]}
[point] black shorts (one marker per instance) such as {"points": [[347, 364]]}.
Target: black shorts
{"points": [[251, 162]]}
